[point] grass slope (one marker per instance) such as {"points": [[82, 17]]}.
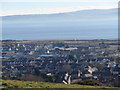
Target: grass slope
{"points": [[30, 84]]}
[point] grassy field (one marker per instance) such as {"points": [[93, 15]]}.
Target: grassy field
{"points": [[29, 84]]}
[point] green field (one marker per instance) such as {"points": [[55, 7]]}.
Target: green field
{"points": [[30, 84]]}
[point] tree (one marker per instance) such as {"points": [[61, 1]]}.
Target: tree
{"points": [[37, 72], [71, 57], [67, 68]]}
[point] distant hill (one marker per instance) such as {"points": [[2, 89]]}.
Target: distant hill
{"points": [[29, 84], [76, 15]]}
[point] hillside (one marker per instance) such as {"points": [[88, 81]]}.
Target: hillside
{"points": [[76, 15], [29, 84]]}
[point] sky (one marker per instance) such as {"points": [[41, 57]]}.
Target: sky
{"points": [[21, 7]]}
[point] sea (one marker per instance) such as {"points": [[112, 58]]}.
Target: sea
{"points": [[60, 30]]}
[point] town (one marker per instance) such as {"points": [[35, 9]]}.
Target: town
{"points": [[51, 60]]}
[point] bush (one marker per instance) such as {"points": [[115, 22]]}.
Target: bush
{"points": [[89, 82]]}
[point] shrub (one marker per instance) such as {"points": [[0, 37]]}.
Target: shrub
{"points": [[89, 82]]}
